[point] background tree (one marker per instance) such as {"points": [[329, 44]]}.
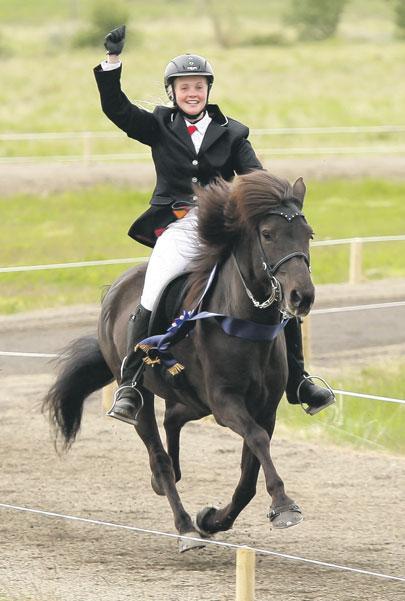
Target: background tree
{"points": [[315, 19], [399, 12]]}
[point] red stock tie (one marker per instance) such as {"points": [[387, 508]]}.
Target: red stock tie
{"points": [[191, 129]]}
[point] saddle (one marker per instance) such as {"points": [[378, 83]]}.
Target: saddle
{"points": [[169, 304]]}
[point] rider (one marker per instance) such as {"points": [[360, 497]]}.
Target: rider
{"points": [[192, 142]]}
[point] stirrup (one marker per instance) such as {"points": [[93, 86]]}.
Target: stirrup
{"points": [[314, 410], [120, 416]]}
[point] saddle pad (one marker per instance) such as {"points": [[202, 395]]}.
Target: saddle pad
{"points": [[168, 304]]}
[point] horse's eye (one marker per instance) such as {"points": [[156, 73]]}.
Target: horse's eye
{"points": [[266, 234]]}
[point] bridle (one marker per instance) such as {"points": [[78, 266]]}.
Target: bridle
{"points": [[276, 294]]}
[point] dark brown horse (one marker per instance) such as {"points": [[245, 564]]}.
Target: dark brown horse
{"points": [[253, 229]]}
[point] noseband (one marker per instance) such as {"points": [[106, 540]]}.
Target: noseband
{"points": [[276, 294]]}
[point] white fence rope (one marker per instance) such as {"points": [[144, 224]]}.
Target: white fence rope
{"points": [[361, 395], [71, 265], [350, 129], [316, 562], [365, 239], [299, 150], [87, 137], [349, 308], [30, 355], [342, 392], [339, 241]]}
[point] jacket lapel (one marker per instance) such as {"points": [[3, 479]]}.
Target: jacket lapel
{"points": [[214, 131], [180, 130]]}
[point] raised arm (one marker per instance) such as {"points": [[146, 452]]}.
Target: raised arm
{"points": [[137, 123]]}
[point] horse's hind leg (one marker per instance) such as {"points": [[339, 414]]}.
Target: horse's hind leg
{"points": [[176, 416], [162, 470], [210, 519]]}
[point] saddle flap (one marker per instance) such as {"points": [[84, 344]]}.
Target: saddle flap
{"points": [[168, 305]]}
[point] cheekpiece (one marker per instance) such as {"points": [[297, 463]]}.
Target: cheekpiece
{"points": [[287, 211]]}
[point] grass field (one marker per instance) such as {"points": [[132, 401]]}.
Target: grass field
{"points": [[353, 79], [364, 423], [92, 225]]}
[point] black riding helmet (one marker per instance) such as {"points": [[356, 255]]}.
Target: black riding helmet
{"points": [[187, 64]]}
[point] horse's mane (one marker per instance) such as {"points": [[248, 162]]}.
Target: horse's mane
{"points": [[225, 211]]}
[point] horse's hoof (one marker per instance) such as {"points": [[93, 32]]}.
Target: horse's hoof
{"points": [[156, 487], [201, 516], [188, 545], [285, 516]]}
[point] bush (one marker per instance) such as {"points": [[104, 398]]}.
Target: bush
{"points": [[399, 12], [103, 17], [106, 15], [315, 19]]}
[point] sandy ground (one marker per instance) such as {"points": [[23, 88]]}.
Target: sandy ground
{"points": [[352, 501], [42, 177]]}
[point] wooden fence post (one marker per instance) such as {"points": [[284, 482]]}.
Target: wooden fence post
{"points": [[356, 259], [245, 574]]}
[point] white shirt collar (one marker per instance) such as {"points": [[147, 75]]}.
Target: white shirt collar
{"points": [[202, 124]]}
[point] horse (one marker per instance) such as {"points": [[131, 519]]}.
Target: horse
{"points": [[254, 232]]}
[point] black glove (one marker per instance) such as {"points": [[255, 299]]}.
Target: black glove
{"points": [[114, 41]]}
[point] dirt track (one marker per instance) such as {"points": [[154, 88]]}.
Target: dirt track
{"points": [[352, 502], [353, 505], [41, 177]]}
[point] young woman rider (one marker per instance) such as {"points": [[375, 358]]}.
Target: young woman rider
{"points": [[192, 142]]}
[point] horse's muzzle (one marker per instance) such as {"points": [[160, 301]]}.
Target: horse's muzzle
{"points": [[299, 302]]}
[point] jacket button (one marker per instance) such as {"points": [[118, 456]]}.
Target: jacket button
{"points": [[194, 180], [195, 162]]}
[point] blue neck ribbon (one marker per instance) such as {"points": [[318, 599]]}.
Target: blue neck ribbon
{"points": [[159, 346]]}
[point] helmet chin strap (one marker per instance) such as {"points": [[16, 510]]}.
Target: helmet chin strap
{"points": [[191, 118]]}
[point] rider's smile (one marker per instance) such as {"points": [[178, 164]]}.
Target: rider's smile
{"points": [[191, 94]]}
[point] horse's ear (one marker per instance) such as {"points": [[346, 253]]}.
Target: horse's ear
{"points": [[299, 190]]}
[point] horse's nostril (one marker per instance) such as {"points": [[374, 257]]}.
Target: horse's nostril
{"points": [[300, 300], [296, 298]]}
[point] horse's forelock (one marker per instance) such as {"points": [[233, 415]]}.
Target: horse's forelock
{"points": [[216, 214], [225, 210], [256, 192]]}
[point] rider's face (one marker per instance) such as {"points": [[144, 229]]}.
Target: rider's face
{"points": [[191, 93]]}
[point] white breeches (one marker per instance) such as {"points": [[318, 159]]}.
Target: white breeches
{"points": [[173, 251]]}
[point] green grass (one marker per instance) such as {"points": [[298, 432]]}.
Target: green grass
{"points": [[344, 81], [80, 226], [364, 423], [92, 225], [276, 88], [359, 208]]}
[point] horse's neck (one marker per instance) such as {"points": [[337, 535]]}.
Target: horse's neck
{"points": [[229, 296]]}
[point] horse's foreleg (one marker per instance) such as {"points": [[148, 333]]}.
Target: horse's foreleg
{"points": [[161, 466], [213, 520], [176, 416], [230, 410]]}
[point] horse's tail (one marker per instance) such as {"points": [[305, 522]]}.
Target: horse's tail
{"points": [[82, 371]]}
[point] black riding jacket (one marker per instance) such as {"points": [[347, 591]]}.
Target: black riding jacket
{"points": [[225, 151]]}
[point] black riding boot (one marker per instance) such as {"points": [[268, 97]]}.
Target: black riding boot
{"points": [[300, 387], [128, 400]]}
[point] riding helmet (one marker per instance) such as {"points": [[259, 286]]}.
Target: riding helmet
{"points": [[187, 64]]}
